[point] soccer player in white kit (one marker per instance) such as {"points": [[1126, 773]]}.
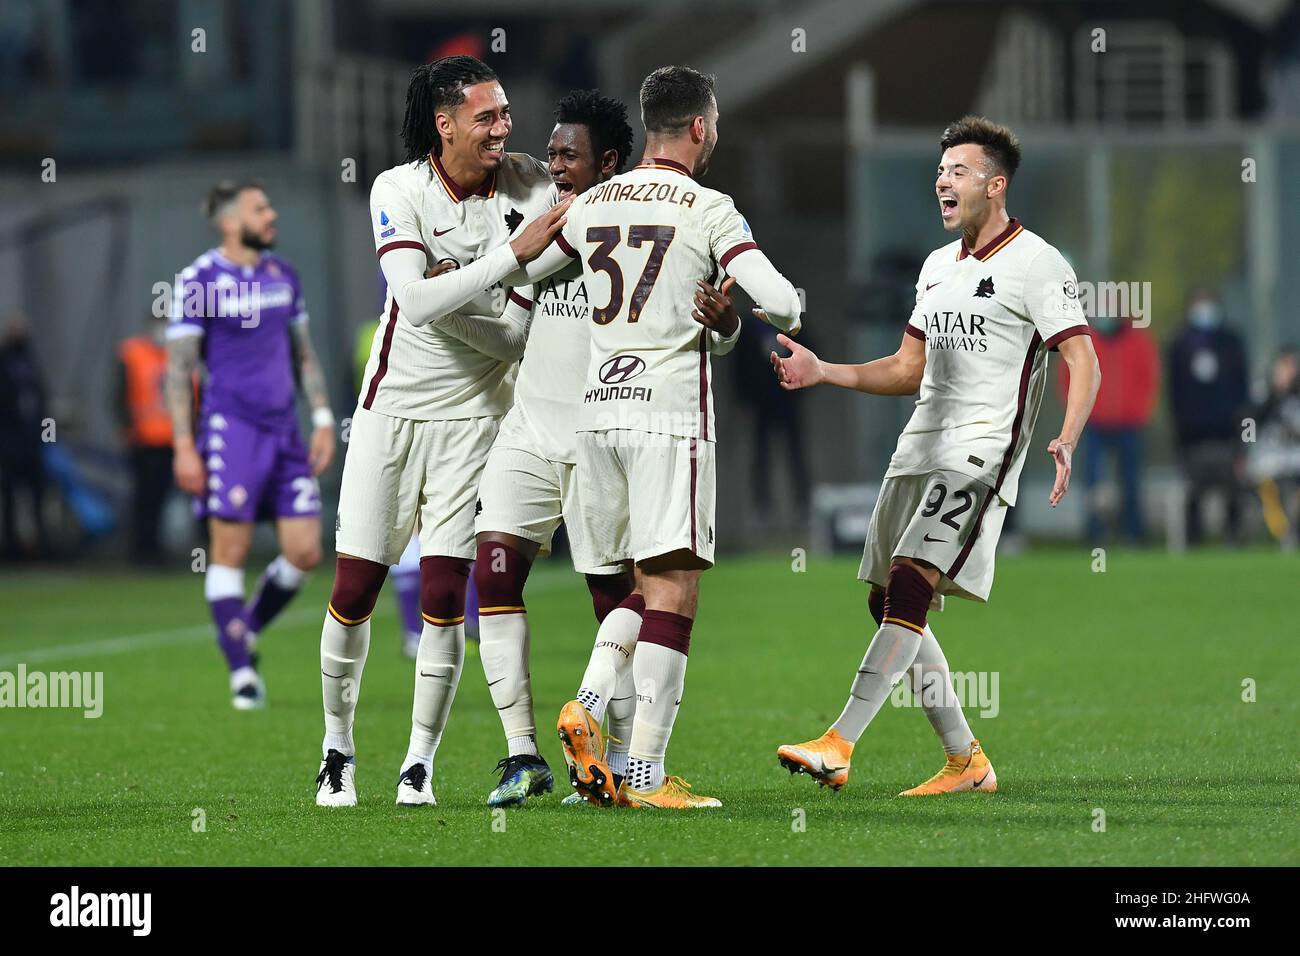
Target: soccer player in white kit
{"points": [[434, 390], [990, 306], [529, 484], [648, 239]]}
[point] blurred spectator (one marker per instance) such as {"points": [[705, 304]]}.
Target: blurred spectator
{"points": [[22, 417], [147, 427], [1275, 455], [1130, 376], [1208, 391], [775, 412]]}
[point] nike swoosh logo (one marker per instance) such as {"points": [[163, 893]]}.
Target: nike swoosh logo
{"points": [[436, 233], [935, 540], [981, 780], [927, 288], [493, 683], [335, 676]]}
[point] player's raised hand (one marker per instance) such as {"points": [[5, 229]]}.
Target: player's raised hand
{"points": [[800, 369], [321, 452], [537, 235], [714, 308], [1061, 452], [187, 468]]}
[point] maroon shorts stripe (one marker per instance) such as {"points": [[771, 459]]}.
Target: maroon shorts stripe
{"points": [[914, 332], [401, 244], [1064, 334], [1022, 395], [694, 459], [382, 368], [736, 250], [564, 244], [522, 301], [704, 383]]}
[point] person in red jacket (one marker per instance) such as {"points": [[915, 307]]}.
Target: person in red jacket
{"points": [[1130, 378]]}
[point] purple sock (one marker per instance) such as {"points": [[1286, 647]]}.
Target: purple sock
{"points": [[268, 600], [407, 583], [228, 615], [471, 607]]}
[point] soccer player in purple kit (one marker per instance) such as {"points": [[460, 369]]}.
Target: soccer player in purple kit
{"points": [[239, 311]]}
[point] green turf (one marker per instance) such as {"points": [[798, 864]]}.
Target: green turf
{"points": [[1120, 691]]}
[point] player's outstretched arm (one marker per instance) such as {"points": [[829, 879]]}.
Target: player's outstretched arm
{"points": [[777, 298], [503, 336], [897, 374], [425, 300], [312, 377], [178, 386], [1085, 380]]}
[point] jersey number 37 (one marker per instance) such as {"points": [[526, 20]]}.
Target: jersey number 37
{"points": [[600, 260]]}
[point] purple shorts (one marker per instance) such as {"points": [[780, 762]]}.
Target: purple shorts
{"points": [[254, 473]]}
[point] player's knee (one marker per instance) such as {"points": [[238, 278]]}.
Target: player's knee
{"points": [[442, 589], [500, 573], [907, 597], [357, 583], [303, 557], [876, 603], [609, 591]]}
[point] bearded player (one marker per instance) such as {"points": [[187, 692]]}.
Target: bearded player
{"points": [[650, 240], [528, 485], [239, 311], [990, 306], [435, 388]]}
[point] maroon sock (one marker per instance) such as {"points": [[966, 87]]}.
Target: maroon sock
{"points": [[609, 591], [667, 629]]}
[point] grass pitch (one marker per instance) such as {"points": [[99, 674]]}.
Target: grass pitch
{"points": [[1119, 693]]}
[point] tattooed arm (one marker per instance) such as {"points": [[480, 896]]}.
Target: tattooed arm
{"points": [[178, 386], [321, 452]]}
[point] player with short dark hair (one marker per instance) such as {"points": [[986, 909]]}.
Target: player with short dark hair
{"points": [[447, 229], [238, 310], [528, 485], [990, 307], [653, 241]]}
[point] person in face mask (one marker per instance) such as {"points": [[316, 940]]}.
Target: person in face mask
{"points": [[1130, 367], [1208, 389]]}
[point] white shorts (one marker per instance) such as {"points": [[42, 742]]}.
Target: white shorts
{"points": [[527, 495], [400, 475], [645, 494], [946, 519]]}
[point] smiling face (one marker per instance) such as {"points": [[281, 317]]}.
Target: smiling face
{"points": [[966, 185], [571, 159], [474, 133]]}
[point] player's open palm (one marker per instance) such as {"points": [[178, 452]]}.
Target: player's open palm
{"points": [[187, 468], [1061, 452], [537, 235], [801, 369]]}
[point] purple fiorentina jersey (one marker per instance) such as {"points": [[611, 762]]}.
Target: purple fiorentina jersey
{"points": [[244, 314]]}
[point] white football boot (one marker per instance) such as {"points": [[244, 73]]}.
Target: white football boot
{"points": [[415, 787], [247, 690], [336, 785]]}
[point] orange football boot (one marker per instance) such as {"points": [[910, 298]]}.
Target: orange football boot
{"points": [[961, 773], [825, 759], [584, 752], [673, 794]]}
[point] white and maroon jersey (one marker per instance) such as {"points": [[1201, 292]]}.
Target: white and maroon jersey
{"points": [[548, 393], [988, 320], [421, 372], [645, 237]]}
